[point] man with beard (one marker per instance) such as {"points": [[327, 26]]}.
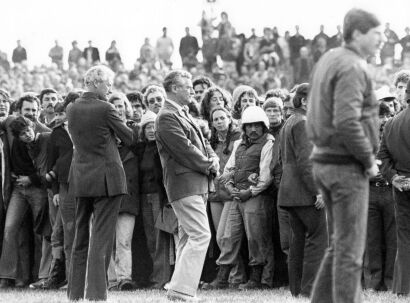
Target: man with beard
{"points": [[28, 192], [98, 180], [48, 98]]}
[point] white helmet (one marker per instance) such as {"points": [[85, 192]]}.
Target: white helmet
{"points": [[253, 114]]}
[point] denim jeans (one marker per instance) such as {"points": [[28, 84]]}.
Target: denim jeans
{"points": [[345, 190], [22, 200], [381, 239]]}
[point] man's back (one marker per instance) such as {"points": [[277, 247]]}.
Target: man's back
{"points": [[96, 169]]}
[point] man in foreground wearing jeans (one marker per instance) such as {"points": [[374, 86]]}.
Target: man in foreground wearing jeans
{"points": [[342, 122]]}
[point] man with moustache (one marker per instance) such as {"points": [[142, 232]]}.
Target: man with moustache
{"points": [[98, 180], [188, 163], [48, 98]]}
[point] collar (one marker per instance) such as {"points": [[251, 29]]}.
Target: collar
{"points": [[90, 95], [353, 49], [176, 105]]}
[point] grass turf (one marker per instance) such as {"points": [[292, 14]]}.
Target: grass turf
{"points": [[147, 296]]}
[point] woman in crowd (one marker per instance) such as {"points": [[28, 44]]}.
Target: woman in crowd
{"points": [[224, 134], [158, 218], [213, 97], [119, 273], [243, 96]]}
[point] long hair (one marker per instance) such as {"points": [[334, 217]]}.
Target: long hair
{"points": [[214, 133], [206, 101]]}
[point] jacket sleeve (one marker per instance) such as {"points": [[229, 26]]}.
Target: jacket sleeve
{"points": [[303, 148], [387, 167], [347, 113], [171, 136], [119, 126]]}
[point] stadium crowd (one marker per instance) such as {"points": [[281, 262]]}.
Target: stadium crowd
{"points": [[248, 99]]}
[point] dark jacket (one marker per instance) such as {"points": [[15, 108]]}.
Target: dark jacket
{"points": [[342, 118], [297, 187], [395, 146], [59, 155], [96, 169], [185, 154], [130, 203], [95, 54], [5, 171], [157, 172]]}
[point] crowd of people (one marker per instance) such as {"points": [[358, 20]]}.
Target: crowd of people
{"points": [[212, 176]]}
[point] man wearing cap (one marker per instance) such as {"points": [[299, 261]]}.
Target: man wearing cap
{"points": [[342, 124], [250, 212], [299, 196], [383, 95], [395, 154]]}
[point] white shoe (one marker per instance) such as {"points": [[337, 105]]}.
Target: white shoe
{"points": [[173, 295]]}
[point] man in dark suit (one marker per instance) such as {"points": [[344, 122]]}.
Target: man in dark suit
{"points": [[91, 54], [98, 178], [188, 161], [394, 154], [300, 198]]}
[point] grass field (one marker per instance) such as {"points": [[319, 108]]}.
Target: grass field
{"points": [[277, 295]]}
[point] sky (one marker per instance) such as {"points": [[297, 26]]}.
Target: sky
{"points": [[38, 23]]}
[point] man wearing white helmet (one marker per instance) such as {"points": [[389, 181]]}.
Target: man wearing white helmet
{"points": [[246, 177]]}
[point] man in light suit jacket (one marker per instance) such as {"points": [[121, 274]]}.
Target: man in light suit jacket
{"points": [[188, 163], [98, 178]]}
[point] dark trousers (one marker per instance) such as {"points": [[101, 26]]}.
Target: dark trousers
{"points": [[401, 276], [381, 239], [67, 212], [92, 249], [345, 190], [307, 246]]}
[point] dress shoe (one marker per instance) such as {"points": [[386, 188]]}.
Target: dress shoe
{"points": [[173, 295], [39, 284], [126, 285]]}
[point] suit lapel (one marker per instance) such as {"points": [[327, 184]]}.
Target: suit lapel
{"points": [[195, 126]]}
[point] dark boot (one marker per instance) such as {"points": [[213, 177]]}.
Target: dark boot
{"points": [[254, 279], [57, 277], [221, 280]]}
